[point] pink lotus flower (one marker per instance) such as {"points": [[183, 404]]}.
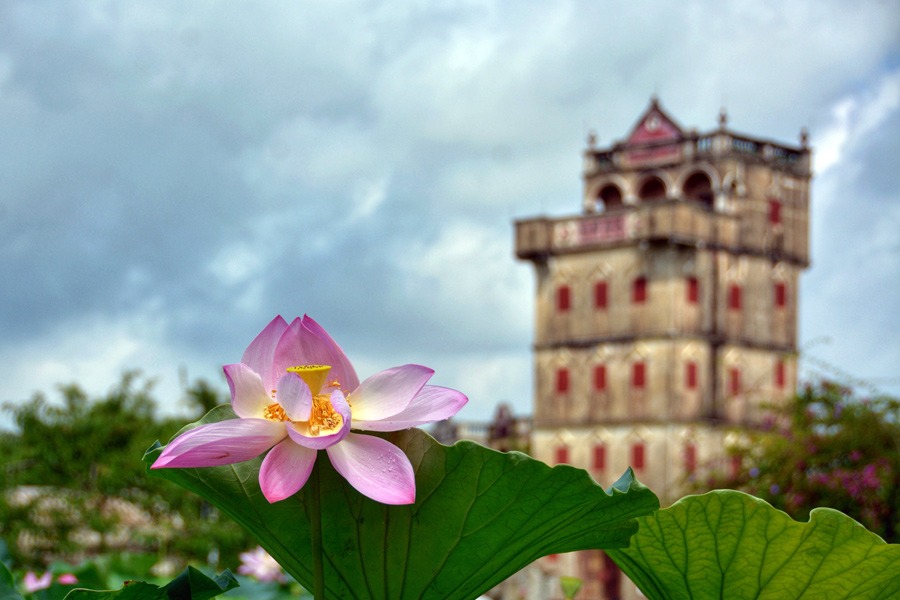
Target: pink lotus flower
{"points": [[260, 565], [32, 583], [67, 579], [296, 393]]}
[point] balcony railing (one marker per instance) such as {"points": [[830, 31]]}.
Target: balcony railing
{"points": [[677, 221]]}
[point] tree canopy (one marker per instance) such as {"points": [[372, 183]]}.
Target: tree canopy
{"points": [[827, 447], [74, 485]]}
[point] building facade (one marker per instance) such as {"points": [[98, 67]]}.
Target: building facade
{"points": [[666, 312]]}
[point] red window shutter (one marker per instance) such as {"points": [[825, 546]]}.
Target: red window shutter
{"points": [[562, 455], [600, 378], [599, 457], [734, 297], [693, 290], [690, 458], [780, 375], [734, 381], [600, 299], [639, 290], [690, 376], [638, 375], [774, 212], [780, 294], [563, 298], [562, 381], [637, 456]]}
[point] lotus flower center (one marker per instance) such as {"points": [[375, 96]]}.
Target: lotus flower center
{"points": [[323, 419]]}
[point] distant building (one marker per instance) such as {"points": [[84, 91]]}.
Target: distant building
{"points": [[667, 310], [505, 432]]}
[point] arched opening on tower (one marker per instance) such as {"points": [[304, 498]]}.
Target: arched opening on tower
{"points": [[652, 190], [698, 188], [610, 196]]}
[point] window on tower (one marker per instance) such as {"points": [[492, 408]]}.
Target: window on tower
{"points": [[610, 196], [563, 298], [639, 290], [600, 378], [734, 297], [600, 295], [734, 381], [690, 376], [599, 458], [638, 375], [690, 458], [637, 456], [561, 455], [693, 290], [562, 381], [774, 212], [698, 188], [780, 294], [780, 374], [652, 190]]}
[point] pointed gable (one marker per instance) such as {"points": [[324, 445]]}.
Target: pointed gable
{"points": [[654, 126]]}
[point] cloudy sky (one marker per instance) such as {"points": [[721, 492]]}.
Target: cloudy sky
{"points": [[172, 174]]}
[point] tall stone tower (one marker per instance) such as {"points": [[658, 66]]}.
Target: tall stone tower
{"points": [[666, 310]]}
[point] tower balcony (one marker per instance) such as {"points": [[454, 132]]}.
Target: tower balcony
{"points": [[671, 221]]}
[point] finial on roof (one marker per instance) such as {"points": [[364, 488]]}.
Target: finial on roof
{"points": [[723, 118], [804, 137], [592, 139], [654, 101]]}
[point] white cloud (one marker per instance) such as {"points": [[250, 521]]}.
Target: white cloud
{"points": [[853, 118], [94, 352]]}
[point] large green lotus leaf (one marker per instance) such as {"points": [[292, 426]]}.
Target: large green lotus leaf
{"points": [[726, 544], [479, 516]]}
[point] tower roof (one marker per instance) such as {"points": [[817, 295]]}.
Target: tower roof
{"points": [[654, 125]]}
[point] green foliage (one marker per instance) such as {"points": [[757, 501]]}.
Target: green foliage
{"points": [[479, 517], [69, 474], [827, 448], [7, 585], [726, 544]]}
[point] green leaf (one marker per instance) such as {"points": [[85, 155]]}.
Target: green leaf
{"points": [[727, 544], [480, 516], [8, 585], [132, 590], [194, 585], [191, 584]]}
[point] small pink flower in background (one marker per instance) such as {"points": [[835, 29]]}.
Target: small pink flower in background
{"points": [[295, 393], [67, 579], [258, 564], [33, 583]]}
